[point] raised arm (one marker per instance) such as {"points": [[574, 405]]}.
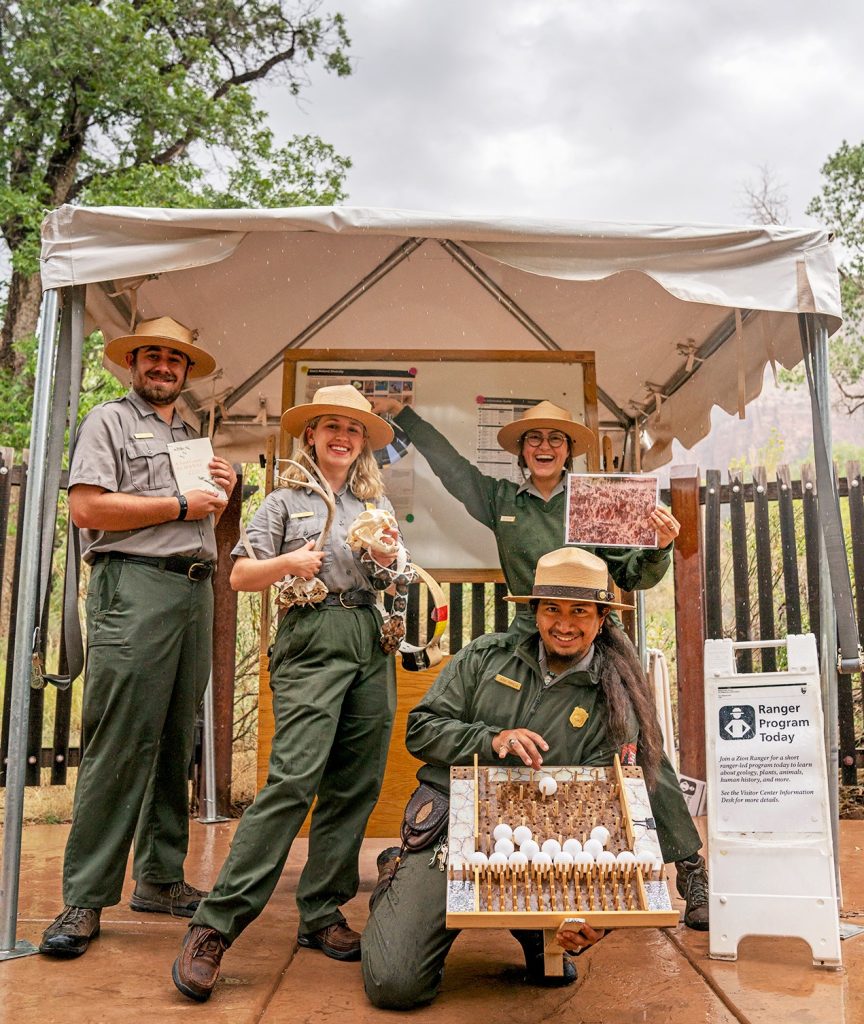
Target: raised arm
{"points": [[460, 477]]}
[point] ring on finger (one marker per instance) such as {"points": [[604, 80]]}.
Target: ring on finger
{"points": [[512, 741]]}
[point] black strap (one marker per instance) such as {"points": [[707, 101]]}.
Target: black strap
{"points": [[850, 657]]}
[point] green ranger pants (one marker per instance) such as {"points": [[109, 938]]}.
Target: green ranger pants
{"points": [[334, 696], [678, 836], [405, 941], [149, 642]]}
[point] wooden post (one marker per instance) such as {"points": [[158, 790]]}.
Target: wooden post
{"points": [[224, 644], [689, 619]]}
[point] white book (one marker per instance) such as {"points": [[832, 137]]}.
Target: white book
{"points": [[190, 461]]}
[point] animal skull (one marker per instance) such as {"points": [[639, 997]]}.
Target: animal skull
{"points": [[368, 531]]}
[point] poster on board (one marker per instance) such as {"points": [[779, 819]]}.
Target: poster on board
{"points": [[611, 510]]}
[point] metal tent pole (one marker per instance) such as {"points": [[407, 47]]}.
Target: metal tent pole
{"points": [[25, 624], [827, 614], [209, 813]]}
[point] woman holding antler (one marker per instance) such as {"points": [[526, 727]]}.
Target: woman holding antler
{"points": [[332, 679]]}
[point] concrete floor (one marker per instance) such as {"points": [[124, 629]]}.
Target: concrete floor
{"points": [[631, 976]]}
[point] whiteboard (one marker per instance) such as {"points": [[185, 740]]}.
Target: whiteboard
{"points": [[451, 395]]}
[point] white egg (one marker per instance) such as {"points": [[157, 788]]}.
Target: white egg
{"points": [[521, 834], [504, 846], [605, 857], [551, 846], [562, 858], [502, 831], [601, 834], [548, 786], [497, 861], [572, 846], [518, 860], [478, 858], [541, 860], [583, 859], [626, 857], [593, 846], [530, 849]]}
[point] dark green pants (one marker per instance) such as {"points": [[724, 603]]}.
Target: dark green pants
{"points": [[678, 836], [406, 941], [149, 642], [334, 696]]}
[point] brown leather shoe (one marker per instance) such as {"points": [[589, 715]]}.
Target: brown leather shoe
{"points": [[336, 940], [196, 969], [179, 899], [387, 863], [691, 881], [70, 933]]}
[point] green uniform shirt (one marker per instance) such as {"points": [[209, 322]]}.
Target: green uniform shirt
{"points": [[494, 684], [525, 526]]}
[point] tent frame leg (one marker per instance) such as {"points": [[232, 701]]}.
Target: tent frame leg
{"points": [[25, 624]]}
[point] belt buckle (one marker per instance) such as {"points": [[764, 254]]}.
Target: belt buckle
{"points": [[198, 571], [342, 601]]}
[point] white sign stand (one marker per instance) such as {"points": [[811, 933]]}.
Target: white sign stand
{"points": [[771, 860]]}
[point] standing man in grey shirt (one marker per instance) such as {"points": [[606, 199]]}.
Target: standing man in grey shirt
{"points": [[149, 636]]}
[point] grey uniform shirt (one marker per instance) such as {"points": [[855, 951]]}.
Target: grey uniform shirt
{"points": [[122, 446], [290, 516]]}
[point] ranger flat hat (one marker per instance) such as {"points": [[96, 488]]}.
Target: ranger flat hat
{"points": [[570, 574], [167, 331], [339, 400], [546, 416]]}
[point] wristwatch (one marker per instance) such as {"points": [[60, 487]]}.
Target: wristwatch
{"points": [[184, 506]]}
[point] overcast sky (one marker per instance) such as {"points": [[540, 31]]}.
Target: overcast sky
{"points": [[642, 110]]}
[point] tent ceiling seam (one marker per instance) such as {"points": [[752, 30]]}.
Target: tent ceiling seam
{"points": [[471, 267], [330, 314]]}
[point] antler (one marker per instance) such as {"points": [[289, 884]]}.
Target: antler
{"points": [[321, 488]]}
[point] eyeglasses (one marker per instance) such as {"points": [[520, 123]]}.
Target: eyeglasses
{"points": [[534, 438]]}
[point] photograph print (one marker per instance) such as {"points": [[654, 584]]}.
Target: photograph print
{"points": [[611, 510]]}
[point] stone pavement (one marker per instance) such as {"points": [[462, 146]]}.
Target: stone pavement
{"points": [[659, 977]]}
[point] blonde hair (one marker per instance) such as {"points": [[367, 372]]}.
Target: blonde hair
{"points": [[364, 478]]}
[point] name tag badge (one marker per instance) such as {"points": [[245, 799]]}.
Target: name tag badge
{"points": [[141, 437], [508, 682], [300, 515], [507, 519], [578, 717]]}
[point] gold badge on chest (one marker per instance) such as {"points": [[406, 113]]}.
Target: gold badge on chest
{"points": [[578, 717]]}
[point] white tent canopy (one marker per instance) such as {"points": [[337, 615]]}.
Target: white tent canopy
{"points": [[658, 304], [681, 317]]}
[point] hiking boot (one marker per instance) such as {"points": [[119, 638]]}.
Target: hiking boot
{"points": [[532, 943], [387, 864], [197, 967], [691, 882], [337, 940], [179, 899], [69, 935]]}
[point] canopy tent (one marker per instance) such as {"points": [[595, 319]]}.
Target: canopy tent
{"points": [[681, 318], [658, 304]]}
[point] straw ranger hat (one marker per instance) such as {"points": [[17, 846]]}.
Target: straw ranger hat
{"points": [[339, 400], [167, 331], [571, 574], [546, 416]]}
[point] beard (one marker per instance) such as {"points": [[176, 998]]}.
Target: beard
{"points": [[157, 392]]}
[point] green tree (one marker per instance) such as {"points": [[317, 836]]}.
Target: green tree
{"points": [[840, 206], [130, 101]]}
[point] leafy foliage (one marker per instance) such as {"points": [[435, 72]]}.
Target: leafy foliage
{"points": [[151, 103], [840, 206]]}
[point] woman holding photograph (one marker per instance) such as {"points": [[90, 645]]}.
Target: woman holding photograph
{"points": [[528, 522], [528, 518], [333, 683]]}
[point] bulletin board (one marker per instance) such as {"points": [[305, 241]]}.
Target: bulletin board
{"points": [[467, 395]]}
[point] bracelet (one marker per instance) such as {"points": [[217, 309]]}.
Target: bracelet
{"points": [[184, 506]]}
